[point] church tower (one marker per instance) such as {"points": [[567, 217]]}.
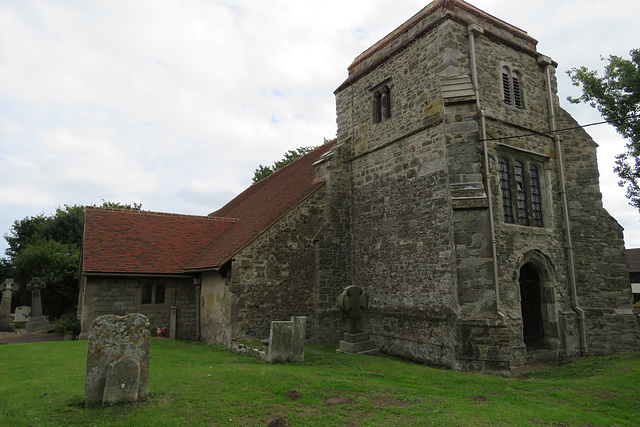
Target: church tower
{"points": [[474, 222]]}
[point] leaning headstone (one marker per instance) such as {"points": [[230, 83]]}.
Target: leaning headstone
{"points": [[37, 322], [7, 289], [22, 313], [286, 340], [352, 301], [117, 360]]}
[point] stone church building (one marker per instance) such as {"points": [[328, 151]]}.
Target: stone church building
{"points": [[453, 193]]}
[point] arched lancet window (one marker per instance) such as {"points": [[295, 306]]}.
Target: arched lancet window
{"points": [[381, 103]]}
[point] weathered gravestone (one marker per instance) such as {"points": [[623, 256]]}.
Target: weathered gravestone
{"points": [[352, 301], [7, 289], [286, 340], [117, 360], [37, 322], [22, 314]]}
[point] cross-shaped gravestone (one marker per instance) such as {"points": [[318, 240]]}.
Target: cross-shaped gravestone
{"points": [[36, 300], [8, 285], [352, 301], [37, 322], [7, 288], [36, 284]]}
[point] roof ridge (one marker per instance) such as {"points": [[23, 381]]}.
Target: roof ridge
{"points": [[154, 213], [294, 161]]}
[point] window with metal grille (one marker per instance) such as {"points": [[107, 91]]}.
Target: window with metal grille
{"points": [[520, 187], [536, 196], [505, 189], [521, 193]]}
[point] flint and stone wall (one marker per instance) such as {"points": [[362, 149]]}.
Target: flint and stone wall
{"points": [[274, 277], [402, 235]]}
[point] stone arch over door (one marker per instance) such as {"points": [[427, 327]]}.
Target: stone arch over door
{"points": [[536, 278]]}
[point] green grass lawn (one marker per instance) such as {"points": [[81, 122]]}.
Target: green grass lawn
{"points": [[196, 384]]}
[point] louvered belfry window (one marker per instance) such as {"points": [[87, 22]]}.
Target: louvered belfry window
{"points": [[521, 191], [506, 86], [512, 88]]}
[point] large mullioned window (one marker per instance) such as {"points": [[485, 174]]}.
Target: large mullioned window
{"points": [[521, 191]]}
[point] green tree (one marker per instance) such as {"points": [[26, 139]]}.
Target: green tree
{"points": [[23, 232], [56, 264], [617, 96], [48, 247], [264, 171], [66, 225], [118, 205]]}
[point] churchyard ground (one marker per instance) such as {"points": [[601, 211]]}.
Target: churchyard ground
{"points": [[195, 384]]}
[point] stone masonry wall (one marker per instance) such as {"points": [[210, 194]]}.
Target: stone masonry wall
{"points": [[333, 244], [274, 278], [402, 237], [517, 244], [121, 296], [601, 266], [422, 249]]}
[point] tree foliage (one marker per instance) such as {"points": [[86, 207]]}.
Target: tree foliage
{"points": [[617, 96], [264, 171], [48, 247], [118, 205], [56, 264]]}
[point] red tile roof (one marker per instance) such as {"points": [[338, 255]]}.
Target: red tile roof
{"points": [[261, 205], [132, 241]]}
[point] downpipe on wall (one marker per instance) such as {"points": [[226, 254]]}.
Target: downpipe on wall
{"points": [[584, 351], [472, 30]]}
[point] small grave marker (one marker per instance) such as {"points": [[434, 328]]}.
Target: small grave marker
{"points": [[22, 314], [117, 360], [286, 340], [37, 322]]}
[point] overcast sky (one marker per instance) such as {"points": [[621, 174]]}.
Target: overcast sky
{"points": [[173, 104]]}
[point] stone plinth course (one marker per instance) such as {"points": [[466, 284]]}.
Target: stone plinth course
{"points": [[117, 360]]}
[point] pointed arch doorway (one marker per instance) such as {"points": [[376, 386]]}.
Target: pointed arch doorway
{"points": [[530, 301]]}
